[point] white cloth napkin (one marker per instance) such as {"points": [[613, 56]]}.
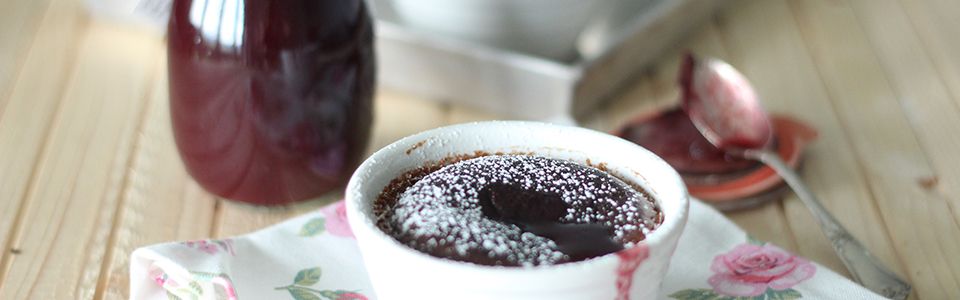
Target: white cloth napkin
{"points": [[315, 257]]}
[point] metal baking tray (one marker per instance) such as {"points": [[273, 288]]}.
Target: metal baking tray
{"points": [[522, 86]]}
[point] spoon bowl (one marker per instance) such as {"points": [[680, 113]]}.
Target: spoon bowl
{"points": [[723, 106]]}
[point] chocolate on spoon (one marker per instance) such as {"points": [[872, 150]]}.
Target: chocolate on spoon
{"points": [[724, 108]]}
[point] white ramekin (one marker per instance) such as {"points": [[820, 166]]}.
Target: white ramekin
{"points": [[400, 272]]}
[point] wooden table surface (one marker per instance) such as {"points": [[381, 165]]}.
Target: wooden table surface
{"points": [[89, 171]]}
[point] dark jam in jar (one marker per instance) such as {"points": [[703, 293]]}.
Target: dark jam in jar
{"points": [[270, 100]]}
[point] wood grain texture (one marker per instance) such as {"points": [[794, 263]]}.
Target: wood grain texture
{"points": [[937, 26], [886, 144], [925, 98], [927, 106], [161, 203], [30, 109], [73, 198], [18, 29]]}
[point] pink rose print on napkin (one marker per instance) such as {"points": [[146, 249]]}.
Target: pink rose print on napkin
{"points": [[748, 270], [199, 285], [337, 219], [351, 296], [334, 221], [212, 247], [753, 271]]}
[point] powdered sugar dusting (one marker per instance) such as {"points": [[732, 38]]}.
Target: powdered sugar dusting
{"points": [[441, 215]]}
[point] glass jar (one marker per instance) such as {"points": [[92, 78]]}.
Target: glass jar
{"points": [[271, 101]]}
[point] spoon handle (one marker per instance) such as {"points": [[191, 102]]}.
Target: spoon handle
{"points": [[864, 267]]}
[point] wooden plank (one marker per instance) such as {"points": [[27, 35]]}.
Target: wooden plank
{"points": [[26, 118], [72, 202], [160, 202], [938, 29], [884, 141], [18, 28], [925, 99], [396, 115], [937, 25], [764, 42]]}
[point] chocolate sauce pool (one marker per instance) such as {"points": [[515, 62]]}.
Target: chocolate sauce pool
{"points": [[539, 213]]}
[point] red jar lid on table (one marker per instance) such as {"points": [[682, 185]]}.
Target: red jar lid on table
{"points": [[726, 182]]}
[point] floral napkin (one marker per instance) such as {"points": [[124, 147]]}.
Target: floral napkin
{"points": [[315, 256]]}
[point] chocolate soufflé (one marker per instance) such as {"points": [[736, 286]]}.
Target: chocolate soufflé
{"points": [[515, 210]]}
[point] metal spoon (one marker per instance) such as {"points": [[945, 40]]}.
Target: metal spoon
{"points": [[724, 108]]}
